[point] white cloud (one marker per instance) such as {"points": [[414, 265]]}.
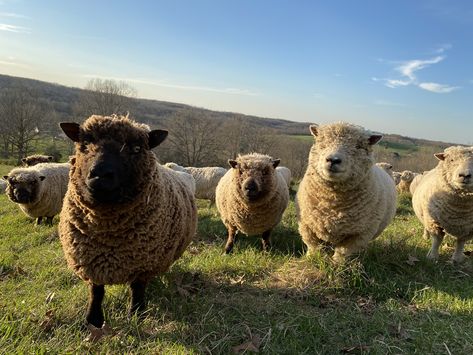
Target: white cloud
{"points": [[13, 28], [443, 48], [409, 69], [438, 88], [12, 15], [12, 63], [231, 91]]}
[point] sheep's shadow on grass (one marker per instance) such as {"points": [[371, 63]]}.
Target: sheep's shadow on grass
{"points": [[201, 312]]}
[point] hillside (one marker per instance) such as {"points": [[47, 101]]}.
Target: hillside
{"points": [[155, 112]]}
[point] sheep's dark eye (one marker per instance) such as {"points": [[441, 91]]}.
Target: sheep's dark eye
{"points": [[136, 149]]}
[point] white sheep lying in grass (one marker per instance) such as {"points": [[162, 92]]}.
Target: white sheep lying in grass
{"points": [[443, 200], [387, 167], [343, 199]]}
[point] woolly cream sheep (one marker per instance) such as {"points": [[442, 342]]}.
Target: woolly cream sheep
{"points": [[251, 197], [343, 200], [406, 179], [206, 180], [125, 217], [36, 159], [443, 200], [39, 190]]}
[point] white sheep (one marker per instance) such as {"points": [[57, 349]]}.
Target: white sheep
{"points": [[206, 180], [396, 177], [174, 166], [343, 199], [3, 186], [285, 173], [443, 200], [251, 197], [39, 190], [387, 167]]}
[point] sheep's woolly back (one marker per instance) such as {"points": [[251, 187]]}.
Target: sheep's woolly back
{"points": [[349, 213], [415, 182], [252, 217], [441, 206], [51, 190], [34, 159], [187, 178], [174, 166], [119, 243], [206, 180], [285, 173]]}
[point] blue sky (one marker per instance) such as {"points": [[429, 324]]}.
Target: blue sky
{"points": [[400, 66]]}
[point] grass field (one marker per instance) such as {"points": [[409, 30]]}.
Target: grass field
{"points": [[389, 300]]}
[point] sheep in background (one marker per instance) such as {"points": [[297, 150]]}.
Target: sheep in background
{"points": [[406, 179], [39, 190], [286, 174], [251, 197], [36, 159], [396, 177], [443, 200], [387, 167], [343, 199], [125, 217], [3, 186]]}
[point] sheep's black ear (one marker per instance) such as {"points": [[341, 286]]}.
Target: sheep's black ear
{"points": [[440, 156], [233, 163], [71, 129], [50, 158], [313, 129], [375, 138], [41, 178], [156, 137], [23, 160], [5, 177], [276, 162]]}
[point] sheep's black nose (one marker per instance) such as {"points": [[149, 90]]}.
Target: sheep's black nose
{"points": [[251, 186], [333, 160], [465, 176], [103, 177]]}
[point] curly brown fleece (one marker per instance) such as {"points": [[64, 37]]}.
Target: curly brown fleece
{"points": [[258, 216], [134, 240], [34, 159]]}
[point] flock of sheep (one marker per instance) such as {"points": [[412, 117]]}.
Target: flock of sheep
{"points": [[125, 218]]}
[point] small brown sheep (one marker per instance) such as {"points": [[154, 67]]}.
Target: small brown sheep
{"points": [[251, 197]]}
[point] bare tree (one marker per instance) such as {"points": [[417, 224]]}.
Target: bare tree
{"points": [[194, 137], [22, 114], [105, 97]]}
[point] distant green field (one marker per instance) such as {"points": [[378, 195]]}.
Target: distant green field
{"points": [[389, 300]]}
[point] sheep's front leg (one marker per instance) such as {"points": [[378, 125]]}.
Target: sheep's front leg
{"points": [[49, 221], [138, 288], [458, 255], [94, 309], [437, 238], [265, 239], [232, 231], [38, 220]]}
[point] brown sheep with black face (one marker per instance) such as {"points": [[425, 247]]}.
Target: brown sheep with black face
{"points": [[251, 197], [125, 217]]}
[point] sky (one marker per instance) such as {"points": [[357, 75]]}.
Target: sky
{"points": [[402, 67]]}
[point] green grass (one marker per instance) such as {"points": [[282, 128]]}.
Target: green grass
{"points": [[210, 303]]}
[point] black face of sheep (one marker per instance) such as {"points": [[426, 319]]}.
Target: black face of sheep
{"points": [[110, 162], [24, 191]]}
